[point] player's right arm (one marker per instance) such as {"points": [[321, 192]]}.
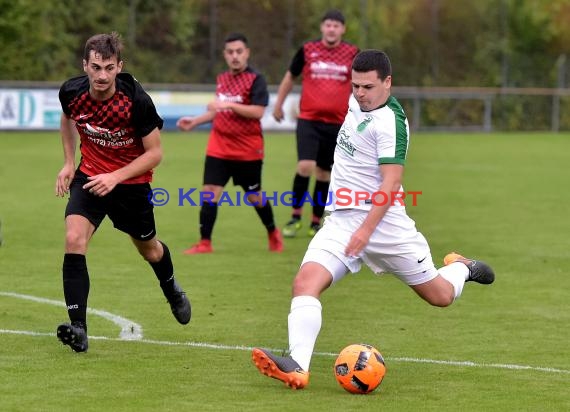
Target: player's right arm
{"points": [[68, 139], [286, 85], [284, 89], [391, 183], [188, 123]]}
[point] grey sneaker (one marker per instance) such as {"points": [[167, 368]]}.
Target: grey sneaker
{"points": [[179, 303], [73, 334], [283, 368], [479, 271]]}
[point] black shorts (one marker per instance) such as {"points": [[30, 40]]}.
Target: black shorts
{"points": [[317, 141], [128, 206], [245, 173]]}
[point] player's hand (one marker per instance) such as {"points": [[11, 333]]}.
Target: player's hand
{"points": [[186, 123], [278, 114], [101, 185], [357, 242], [64, 178]]}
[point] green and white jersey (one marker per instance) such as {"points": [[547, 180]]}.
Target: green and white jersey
{"points": [[365, 141]]}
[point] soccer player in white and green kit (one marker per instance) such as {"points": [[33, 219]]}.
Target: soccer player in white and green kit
{"points": [[367, 222]]}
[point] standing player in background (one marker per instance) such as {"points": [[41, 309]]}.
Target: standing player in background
{"points": [[235, 147], [369, 158], [119, 130], [324, 65]]}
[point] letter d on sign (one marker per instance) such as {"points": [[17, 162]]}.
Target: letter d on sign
{"points": [[26, 109]]}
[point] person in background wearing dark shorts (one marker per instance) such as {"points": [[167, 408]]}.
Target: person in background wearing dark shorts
{"points": [[119, 130], [235, 146], [324, 65]]}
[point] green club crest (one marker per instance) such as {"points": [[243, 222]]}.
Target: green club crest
{"points": [[364, 123]]}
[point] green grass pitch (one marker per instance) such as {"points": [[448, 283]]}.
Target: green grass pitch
{"points": [[499, 197]]}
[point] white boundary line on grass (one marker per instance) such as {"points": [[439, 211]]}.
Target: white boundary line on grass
{"points": [[131, 331], [249, 348]]}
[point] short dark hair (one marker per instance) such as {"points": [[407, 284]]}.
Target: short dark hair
{"points": [[235, 37], [107, 45], [369, 60], [333, 14]]}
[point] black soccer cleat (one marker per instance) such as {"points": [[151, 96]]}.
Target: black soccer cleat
{"points": [[73, 334], [479, 271], [179, 303]]}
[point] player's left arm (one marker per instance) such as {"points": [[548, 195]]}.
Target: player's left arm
{"points": [[391, 183], [102, 184]]}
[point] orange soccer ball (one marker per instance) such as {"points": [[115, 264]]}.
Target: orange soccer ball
{"points": [[359, 368]]}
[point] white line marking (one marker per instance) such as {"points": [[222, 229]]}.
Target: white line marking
{"points": [[129, 330], [133, 331], [329, 354]]}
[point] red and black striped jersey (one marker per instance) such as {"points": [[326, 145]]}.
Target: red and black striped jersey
{"points": [[326, 83], [111, 131], [234, 137]]}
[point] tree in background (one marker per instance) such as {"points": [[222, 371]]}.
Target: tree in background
{"points": [[490, 43], [35, 43]]}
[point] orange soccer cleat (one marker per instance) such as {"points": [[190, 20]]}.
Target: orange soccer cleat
{"points": [[283, 368]]}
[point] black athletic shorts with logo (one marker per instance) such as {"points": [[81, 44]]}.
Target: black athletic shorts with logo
{"points": [[128, 206], [245, 173], [317, 141]]}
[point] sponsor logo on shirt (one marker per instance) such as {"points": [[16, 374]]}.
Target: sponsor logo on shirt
{"points": [[344, 143], [329, 70], [104, 137], [229, 98]]}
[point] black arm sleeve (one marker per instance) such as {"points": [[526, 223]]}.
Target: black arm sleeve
{"points": [[298, 62], [259, 93]]}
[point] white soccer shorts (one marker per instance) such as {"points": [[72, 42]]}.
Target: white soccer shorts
{"points": [[395, 247]]}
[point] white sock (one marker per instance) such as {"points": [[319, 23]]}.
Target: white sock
{"points": [[456, 274], [304, 326]]}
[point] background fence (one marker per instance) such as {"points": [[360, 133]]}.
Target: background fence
{"points": [[35, 106]]}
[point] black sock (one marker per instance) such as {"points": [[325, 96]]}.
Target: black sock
{"points": [[265, 213], [300, 188], [320, 195], [163, 269], [208, 214], [75, 286]]}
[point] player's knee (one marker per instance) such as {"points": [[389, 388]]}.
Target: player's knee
{"points": [[151, 254], [305, 167], [301, 285], [151, 250], [307, 283], [75, 242], [440, 299], [322, 175]]}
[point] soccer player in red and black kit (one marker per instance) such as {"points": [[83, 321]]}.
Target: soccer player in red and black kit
{"points": [[235, 147], [324, 65], [119, 130]]}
